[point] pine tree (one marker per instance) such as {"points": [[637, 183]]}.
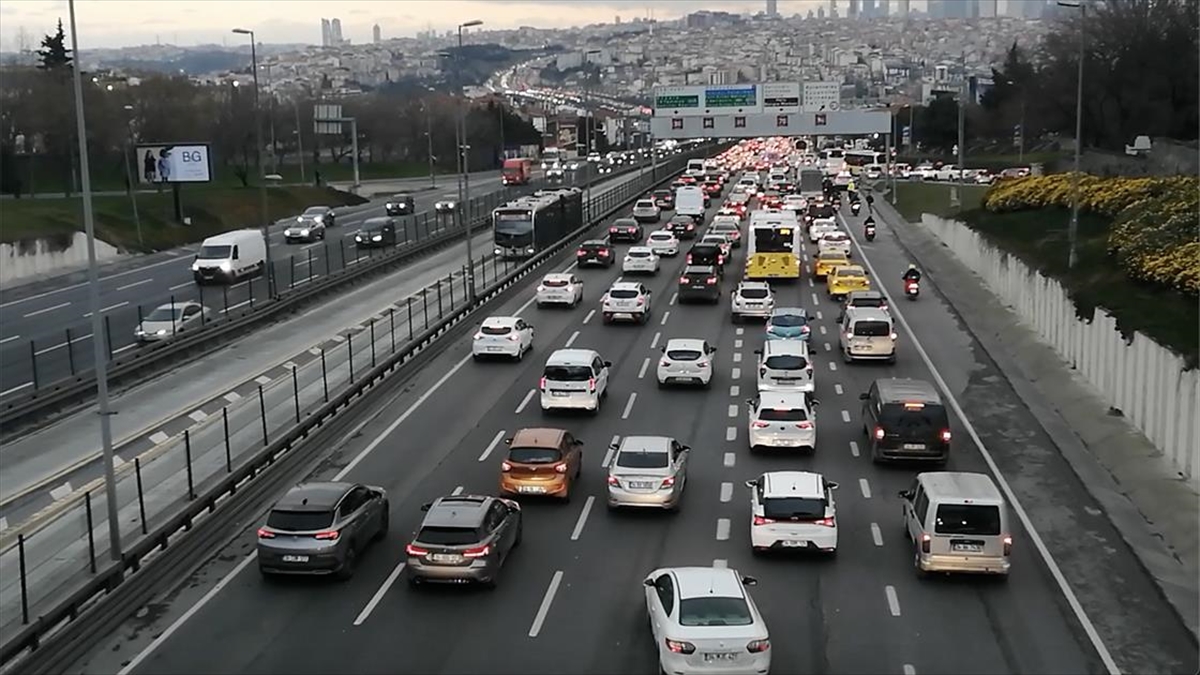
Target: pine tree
{"points": [[54, 55]]}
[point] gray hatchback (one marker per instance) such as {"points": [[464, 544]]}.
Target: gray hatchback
{"points": [[320, 528], [464, 539]]}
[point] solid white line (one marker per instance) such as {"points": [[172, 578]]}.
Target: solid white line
{"points": [[492, 446], [674, 297], [720, 563], [722, 529], [1051, 564], [134, 284], [19, 387], [525, 401], [645, 365], [179, 286], [730, 460], [46, 309], [846, 416], [587, 508], [892, 600], [737, 357], [909, 669], [737, 343], [731, 433], [734, 391], [629, 405], [736, 374], [571, 340], [10, 339], [545, 608], [241, 304], [105, 310], [854, 448], [654, 342], [838, 389], [383, 589], [665, 316], [865, 487], [590, 314], [726, 492], [876, 534]]}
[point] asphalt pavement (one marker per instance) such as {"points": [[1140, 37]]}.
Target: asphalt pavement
{"points": [[570, 600]]}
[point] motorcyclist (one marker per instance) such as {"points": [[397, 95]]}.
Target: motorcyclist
{"points": [[869, 222], [912, 274]]}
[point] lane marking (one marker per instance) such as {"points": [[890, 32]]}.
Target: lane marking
{"points": [[666, 315], [827, 346], [545, 607], [722, 529], [608, 455], [61, 491], [726, 492], [823, 330], [3, 523], [19, 387], [645, 365], [892, 600], [819, 315], [846, 416], [876, 534], [456, 491], [674, 297], [816, 300], [159, 437], [654, 342], [838, 389], [730, 460], [739, 331], [587, 508], [720, 563], [45, 310], [176, 287], [198, 415], [909, 669], [737, 344], [492, 446], [63, 344], [629, 405], [10, 339], [734, 391], [736, 374], [865, 488], [105, 310], [733, 410], [590, 314], [737, 357], [315, 351], [134, 284], [262, 379], [571, 340], [525, 401], [233, 397], [854, 448], [731, 433], [811, 284], [832, 365], [383, 589]]}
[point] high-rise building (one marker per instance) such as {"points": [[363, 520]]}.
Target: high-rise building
{"points": [[853, 11], [377, 34], [820, 12], [883, 8], [988, 8], [833, 13], [772, 8], [867, 9], [335, 32], [903, 7], [326, 33]]}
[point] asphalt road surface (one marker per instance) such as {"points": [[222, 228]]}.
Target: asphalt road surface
{"points": [[570, 599]]}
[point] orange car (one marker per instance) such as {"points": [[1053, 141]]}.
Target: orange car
{"points": [[541, 462]]}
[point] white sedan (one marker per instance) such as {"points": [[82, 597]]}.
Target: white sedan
{"points": [[664, 243], [686, 360], [704, 621], [502, 336], [559, 288], [640, 260]]}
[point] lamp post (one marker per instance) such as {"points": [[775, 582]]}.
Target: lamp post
{"points": [[262, 168], [587, 125], [464, 153], [429, 140], [137, 221], [271, 118], [99, 338], [1073, 226]]}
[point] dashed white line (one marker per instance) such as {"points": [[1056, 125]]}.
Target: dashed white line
{"points": [[665, 316], [608, 454], [629, 405], [105, 310], [846, 416], [854, 448], [654, 342], [19, 387], [525, 401], [198, 415], [876, 534], [134, 284], [176, 287], [674, 297], [10, 339], [820, 316], [571, 340], [722, 529], [45, 310], [544, 609], [262, 379], [726, 492], [865, 488], [232, 397], [828, 347], [730, 460], [731, 433], [645, 365], [739, 331], [811, 283], [736, 374], [456, 491], [315, 351], [832, 365], [837, 388], [383, 589], [892, 600], [590, 314], [737, 344], [733, 410], [159, 437], [909, 669], [492, 446], [823, 330], [61, 491], [737, 357], [587, 508], [720, 563], [816, 300], [734, 391]]}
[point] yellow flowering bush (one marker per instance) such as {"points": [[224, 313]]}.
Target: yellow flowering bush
{"points": [[1107, 196], [1156, 239]]}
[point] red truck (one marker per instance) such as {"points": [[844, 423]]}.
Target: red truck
{"points": [[517, 171]]}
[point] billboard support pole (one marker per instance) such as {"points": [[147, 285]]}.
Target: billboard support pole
{"points": [[354, 148], [177, 202]]}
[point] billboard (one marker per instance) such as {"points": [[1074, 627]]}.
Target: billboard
{"points": [[715, 99], [173, 163], [781, 97], [840, 123]]}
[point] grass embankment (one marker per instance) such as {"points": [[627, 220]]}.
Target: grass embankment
{"points": [[914, 198], [211, 210]]}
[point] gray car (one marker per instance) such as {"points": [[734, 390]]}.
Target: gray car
{"points": [[464, 539], [167, 321], [647, 471], [320, 528], [310, 225]]}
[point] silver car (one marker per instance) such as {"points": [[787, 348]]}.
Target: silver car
{"points": [[463, 539], [647, 471], [304, 228], [320, 528], [167, 321]]}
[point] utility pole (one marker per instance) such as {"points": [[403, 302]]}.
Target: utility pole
{"points": [[299, 140], [1073, 226], [262, 165], [464, 151], [131, 178]]}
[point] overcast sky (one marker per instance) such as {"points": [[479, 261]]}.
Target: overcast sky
{"points": [[119, 23]]}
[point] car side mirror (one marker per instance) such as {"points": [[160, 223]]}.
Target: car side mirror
{"points": [[648, 583], [864, 396], [426, 507], [758, 351], [608, 364], [751, 484], [508, 441], [905, 494], [815, 402], [831, 485], [663, 350], [749, 581]]}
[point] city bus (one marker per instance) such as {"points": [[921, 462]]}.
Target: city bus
{"points": [[831, 160], [774, 250], [856, 159]]}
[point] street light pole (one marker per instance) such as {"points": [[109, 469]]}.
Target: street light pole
{"points": [[1073, 226], [464, 151], [262, 168], [299, 140], [129, 176], [271, 119], [429, 143], [99, 338]]}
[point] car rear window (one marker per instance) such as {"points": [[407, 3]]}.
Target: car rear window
{"points": [[866, 302], [754, 293], [872, 328], [593, 245], [714, 611], [534, 455], [786, 508], [495, 330], [299, 521], [645, 204], [643, 460], [554, 283], [663, 194], [928, 418], [786, 362], [567, 373], [448, 536], [789, 320], [776, 415], [638, 254], [623, 293], [978, 519], [661, 236], [683, 354]]}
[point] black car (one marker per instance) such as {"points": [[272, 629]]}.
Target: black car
{"points": [[400, 205], [905, 419], [683, 227], [376, 233], [707, 254], [626, 229], [664, 199], [595, 252], [700, 282]]}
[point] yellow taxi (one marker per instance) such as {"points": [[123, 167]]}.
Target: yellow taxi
{"points": [[827, 260], [846, 278]]}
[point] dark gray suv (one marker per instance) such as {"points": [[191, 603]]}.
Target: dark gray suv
{"points": [[464, 539], [320, 528]]}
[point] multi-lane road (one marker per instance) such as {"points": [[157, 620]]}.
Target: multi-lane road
{"points": [[570, 600]]}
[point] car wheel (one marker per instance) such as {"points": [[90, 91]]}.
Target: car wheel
{"points": [[383, 523], [846, 356], [348, 563]]}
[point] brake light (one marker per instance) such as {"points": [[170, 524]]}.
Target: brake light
{"points": [[592, 385], [826, 522], [542, 384], [805, 329], [603, 252], [945, 435], [514, 337], [581, 253], [691, 226], [879, 433], [679, 647], [416, 551], [711, 280], [804, 425], [264, 533], [758, 646], [702, 364], [894, 336], [477, 551], [665, 363], [479, 336], [541, 288], [561, 467], [613, 230], [683, 280], [612, 480], [759, 520], [925, 539], [669, 481], [759, 424], [689, 259], [1007, 544], [641, 301], [327, 535]]}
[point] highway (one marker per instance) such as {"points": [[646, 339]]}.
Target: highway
{"points": [[570, 600]]}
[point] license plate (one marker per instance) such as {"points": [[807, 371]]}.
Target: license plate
{"points": [[495, 349], [641, 485], [531, 489], [295, 558], [967, 548], [793, 544], [625, 315], [560, 393], [712, 657], [914, 446], [445, 557], [786, 441]]}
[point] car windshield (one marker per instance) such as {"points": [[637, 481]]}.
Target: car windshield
{"points": [[872, 329], [534, 455], [594, 245], [554, 283], [315, 211], [684, 354], [567, 373], [220, 252], [849, 272], [623, 293], [661, 236], [448, 536], [166, 313], [979, 519], [663, 194], [645, 204], [754, 293], [643, 460], [924, 420], [495, 330], [714, 611], [625, 222], [782, 415], [299, 521], [786, 508], [789, 320], [786, 362]]}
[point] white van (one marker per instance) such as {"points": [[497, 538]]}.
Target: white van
{"points": [[867, 333], [695, 167], [958, 522], [574, 379], [784, 365], [230, 256], [689, 201]]}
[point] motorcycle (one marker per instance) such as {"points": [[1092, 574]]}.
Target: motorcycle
{"points": [[855, 207], [912, 289], [869, 232]]}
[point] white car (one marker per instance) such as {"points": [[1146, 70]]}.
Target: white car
{"points": [[948, 172], [686, 360], [664, 243], [793, 510], [626, 300], [574, 379], [704, 621], [795, 203], [834, 241], [165, 321], [559, 288], [924, 172], [645, 211], [842, 179], [752, 298], [785, 365], [640, 260], [782, 419], [502, 336], [445, 206], [821, 227], [873, 171]]}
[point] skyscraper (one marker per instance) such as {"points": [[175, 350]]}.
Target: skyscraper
{"points": [[335, 32], [326, 33], [903, 8], [853, 11], [833, 13], [867, 9], [377, 34], [988, 8], [772, 8]]}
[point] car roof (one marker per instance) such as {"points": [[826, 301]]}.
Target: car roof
{"points": [[793, 484], [789, 311], [645, 444], [646, 199], [377, 221], [783, 400], [640, 249], [625, 221], [754, 284], [501, 321], [695, 582], [829, 255], [538, 437], [699, 269], [594, 242], [896, 389], [868, 314], [663, 234], [313, 496], [571, 357], [850, 269], [864, 295], [178, 303], [457, 511], [796, 347], [685, 343], [557, 276], [960, 485], [625, 286], [315, 208]]}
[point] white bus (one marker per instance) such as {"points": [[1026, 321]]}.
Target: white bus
{"points": [[831, 160], [856, 159]]}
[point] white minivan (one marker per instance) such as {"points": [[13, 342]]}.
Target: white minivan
{"points": [[957, 522], [689, 201], [867, 333], [574, 379], [229, 257]]}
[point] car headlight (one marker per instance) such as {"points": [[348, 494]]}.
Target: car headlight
{"points": [[304, 232], [319, 219], [138, 332], [299, 219], [161, 331], [377, 238], [224, 265]]}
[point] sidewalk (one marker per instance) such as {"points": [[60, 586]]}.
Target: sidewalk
{"points": [[1154, 510]]}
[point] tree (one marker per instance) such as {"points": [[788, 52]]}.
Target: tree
{"points": [[54, 55]]}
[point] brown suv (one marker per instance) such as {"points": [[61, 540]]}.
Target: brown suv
{"points": [[541, 462]]}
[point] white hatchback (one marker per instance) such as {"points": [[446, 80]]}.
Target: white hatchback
{"points": [[834, 241], [782, 419], [752, 298], [663, 243], [640, 260], [560, 289], [821, 227], [686, 360], [502, 336], [793, 510], [626, 300]]}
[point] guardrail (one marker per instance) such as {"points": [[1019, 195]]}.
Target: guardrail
{"points": [[206, 487], [70, 380]]}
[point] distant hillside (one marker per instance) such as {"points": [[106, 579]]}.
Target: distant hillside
{"points": [[192, 62]]}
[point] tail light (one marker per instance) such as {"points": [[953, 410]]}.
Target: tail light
{"points": [[759, 424], [641, 301], [759, 520], [664, 363], [479, 336], [1007, 544], [680, 647], [945, 435], [542, 384], [612, 480], [758, 646], [514, 337], [580, 253], [711, 280], [879, 433], [561, 467], [804, 425], [702, 364], [604, 253], [691, 226], [415, 551], [477, 551], [541, 288], [329, 535], [925, 539], [613, 230], [805, 329], [689, 259], [592, 385], [505, 466], [684, 280], [720, 260], [826, 522], [669, 481], [264, 533], [894, 336]]}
